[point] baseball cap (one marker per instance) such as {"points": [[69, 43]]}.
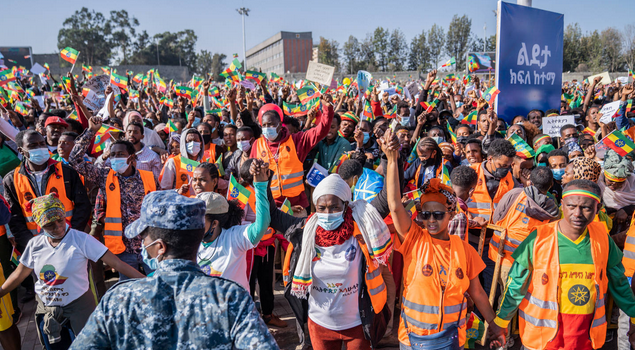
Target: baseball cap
{"points": [[168, 210], [55, 120], [215, 203]]}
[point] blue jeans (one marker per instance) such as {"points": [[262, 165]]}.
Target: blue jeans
{"points": [[134, 260]]}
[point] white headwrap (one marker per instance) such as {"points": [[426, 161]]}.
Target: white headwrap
{"points": [[370, 224]]}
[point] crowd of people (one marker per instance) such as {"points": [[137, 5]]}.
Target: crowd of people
{"points": [[421, 214]]}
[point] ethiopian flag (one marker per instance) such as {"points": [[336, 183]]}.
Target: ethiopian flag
{"points": [[336, 167], [450, 62], [490, 94], [49, 276], [184, 91], [285, 208], [412, 209], [170, 127], [470, 119], [15, 256], [138, 78], [236, 191], [619, 143], [188, 165], [86, 68], [120, 81], [219, 165], [308, 93], [474, 331], [6, 76], [257, 76], [522, 148], [69, 54], [445, 175]]}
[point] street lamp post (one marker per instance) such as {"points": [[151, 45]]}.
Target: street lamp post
{"points": [[243, 11]]}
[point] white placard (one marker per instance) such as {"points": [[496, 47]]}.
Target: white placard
{"points": [[413, 90], [606, 79], [624, 80], [551, 125], [38, 69], [608, 111], [363, 81], [320, 73], [98, 86]]}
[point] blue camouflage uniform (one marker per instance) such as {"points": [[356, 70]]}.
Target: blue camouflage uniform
{"points": [[179, 307]]}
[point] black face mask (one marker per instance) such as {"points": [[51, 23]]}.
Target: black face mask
{"points": [[207, 138], [461, 139], [501, 173]]}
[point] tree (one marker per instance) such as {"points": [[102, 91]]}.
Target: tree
{"points": [[367, 54], [351, 51], [380, 47], [436, 36], [123, 32], [328, 52], [419, 57], [175, 49], [629, 45], [477, 44], [143, 51], [218, 65], [571, 49], [612, 49], [458, 38], [89, 33], [398, 51], [203, 62]]}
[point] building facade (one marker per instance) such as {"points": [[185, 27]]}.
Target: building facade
{"points": [[282, 53]]}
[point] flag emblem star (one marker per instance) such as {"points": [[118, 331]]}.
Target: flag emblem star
{"points": [[619, 143], [68, 54], [234, 192], [189, 167]]}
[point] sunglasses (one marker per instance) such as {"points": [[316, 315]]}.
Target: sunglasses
{"points": [[438, 215]]}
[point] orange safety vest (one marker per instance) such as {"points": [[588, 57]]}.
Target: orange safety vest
{"points": [[113, 227], [288, 172], [210, 153], [182, 177], [3, 230], [426, 306], [24, 191], [538, 314], [518, 226], [480, 204], [372, 277], [629, 250]]}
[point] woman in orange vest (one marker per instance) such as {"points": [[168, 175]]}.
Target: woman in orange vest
{"points": [[204, 179], [439, 269], [561, 275]]}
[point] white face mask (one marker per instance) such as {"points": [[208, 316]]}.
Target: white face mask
{"points": [[244, 146], [193, 148]]}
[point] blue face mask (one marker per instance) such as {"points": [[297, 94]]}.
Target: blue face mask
{"points": [[269, 133], [45, 233], [438, 139], [541, 164], [119, 165], [405, 121], [557, 174], [39, 156], [197, 122], [153, 263], [330, 221], [366, 137]]}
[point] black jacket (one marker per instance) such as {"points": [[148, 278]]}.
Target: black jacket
{"points": [[75, 191]]}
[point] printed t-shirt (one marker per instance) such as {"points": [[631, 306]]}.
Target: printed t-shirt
{"points": [[334, 295], [225, 256], [62, 271]]}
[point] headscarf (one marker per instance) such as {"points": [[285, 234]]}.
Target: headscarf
{"points": [[159, 127], [447, 145], [619, 168], [47, 209], [434, 190], [371, 226], [545, 149], [586, 169], [573, 147]]}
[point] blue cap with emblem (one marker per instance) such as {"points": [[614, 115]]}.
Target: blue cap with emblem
{"points": [[168, 210]]}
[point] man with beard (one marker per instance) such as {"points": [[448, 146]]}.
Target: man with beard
{"points": [[54, 128], [146, 158]]}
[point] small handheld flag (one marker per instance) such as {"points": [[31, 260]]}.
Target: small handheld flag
{"points": [[236, 191], [490, 94], [69, 54], [15, 256], [412, 209], [286, 207], [619, 143], [188, 165], [450, 62], [522, 148]]}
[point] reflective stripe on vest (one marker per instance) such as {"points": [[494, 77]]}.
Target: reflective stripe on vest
{"points": [[629, 251], [538, 322], [426, 307], [113, 227], [518, 225], [24, 192], [480, 204], [373, 278], [288, 172]]}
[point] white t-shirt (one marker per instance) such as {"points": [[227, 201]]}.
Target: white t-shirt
{"points": [[226, 256], [333, 299], [62, 272]]}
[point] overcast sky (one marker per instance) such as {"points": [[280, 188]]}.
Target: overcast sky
{"points": [[219, 28]]}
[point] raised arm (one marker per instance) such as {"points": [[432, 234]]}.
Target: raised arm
{"points": [[400, 216]]}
